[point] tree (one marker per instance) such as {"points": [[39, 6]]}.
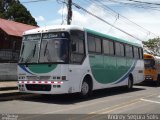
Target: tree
{"points": [[15, 11], [2, 15], [153, 45]]}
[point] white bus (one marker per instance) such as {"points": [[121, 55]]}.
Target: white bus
{"points": [[72, 59]]}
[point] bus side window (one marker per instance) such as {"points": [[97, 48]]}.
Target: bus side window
{"points": [[140, 53], [129, 51], [91, 43], [136, 54], [77, 46]]}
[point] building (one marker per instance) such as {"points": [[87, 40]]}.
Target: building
{"points": [[10, 39], [10, 44]]}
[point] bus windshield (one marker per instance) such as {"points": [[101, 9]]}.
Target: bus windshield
{"points": [[52, 48], [149, 63], [30, 48]]}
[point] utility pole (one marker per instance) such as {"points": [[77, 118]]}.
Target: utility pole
{"points": [[69, 16]]}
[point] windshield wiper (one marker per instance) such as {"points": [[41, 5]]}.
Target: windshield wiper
{"points": [[34, 50], [22, 49], [45, 50], [21, 58]]}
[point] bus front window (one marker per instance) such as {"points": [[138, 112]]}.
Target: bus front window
{"points": [[54, 48], [149, 63], [29, 50], [45, 48]]}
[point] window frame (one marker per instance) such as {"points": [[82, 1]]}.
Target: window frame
{"points": [[94, 39], [109, 41], [121, 47], [130, 48], [136, 53]]}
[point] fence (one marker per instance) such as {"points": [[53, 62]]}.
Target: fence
{"points": [[8, 55]]}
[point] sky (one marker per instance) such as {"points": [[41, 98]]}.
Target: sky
{"points": [[51, 12]]}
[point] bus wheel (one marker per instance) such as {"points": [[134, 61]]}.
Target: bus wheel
{"points": [[85, 89], [130, 83]]}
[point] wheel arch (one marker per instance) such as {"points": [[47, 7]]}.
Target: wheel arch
{"points": [[131, 76], [89, 78]]}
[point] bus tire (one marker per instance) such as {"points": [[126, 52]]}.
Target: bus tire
{"points": [[130, 83], [86, 89]]}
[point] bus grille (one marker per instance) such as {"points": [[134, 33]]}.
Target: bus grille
{"points": [[38, 87], [38, 77]]}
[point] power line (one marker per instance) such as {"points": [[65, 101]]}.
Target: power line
{"points": [[112, 25], [108, 8], [135, 5], [63, 7], [149, 3], [31, 1], [79, 7]]}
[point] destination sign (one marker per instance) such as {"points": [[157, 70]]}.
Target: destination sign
{"points": [[55, 35], [32, 37]]}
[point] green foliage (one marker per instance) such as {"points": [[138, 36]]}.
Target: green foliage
{"points": [[14, 10], [2, 15], [153, 45]]}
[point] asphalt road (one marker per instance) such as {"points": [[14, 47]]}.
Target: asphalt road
{"points": [[143, 99]]}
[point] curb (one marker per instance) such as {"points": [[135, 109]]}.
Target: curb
{"points": [[8, 80], [14, 95], [8, 88]]}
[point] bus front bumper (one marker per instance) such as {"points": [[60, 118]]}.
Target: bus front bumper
{"points": [[45, 87], [148, 78]]}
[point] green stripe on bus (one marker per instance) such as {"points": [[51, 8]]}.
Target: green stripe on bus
{"points": [[42, 68], [108, 69]]}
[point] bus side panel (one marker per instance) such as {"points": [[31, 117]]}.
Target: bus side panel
{"points": [[139, 72], [122, 69], [110, 66], [110, 71], [77, 73]]}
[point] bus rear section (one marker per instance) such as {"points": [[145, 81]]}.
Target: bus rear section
{"points": [[152, 68]]}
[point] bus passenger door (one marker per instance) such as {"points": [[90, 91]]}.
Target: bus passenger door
{"points": [[77, 57]]}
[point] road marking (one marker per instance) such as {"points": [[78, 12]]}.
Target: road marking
{"points": [[115, 106], [113, 109], [85, 105], [121, 107], [131, 101], [65, 109], [96, 112], [150, 101]]}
